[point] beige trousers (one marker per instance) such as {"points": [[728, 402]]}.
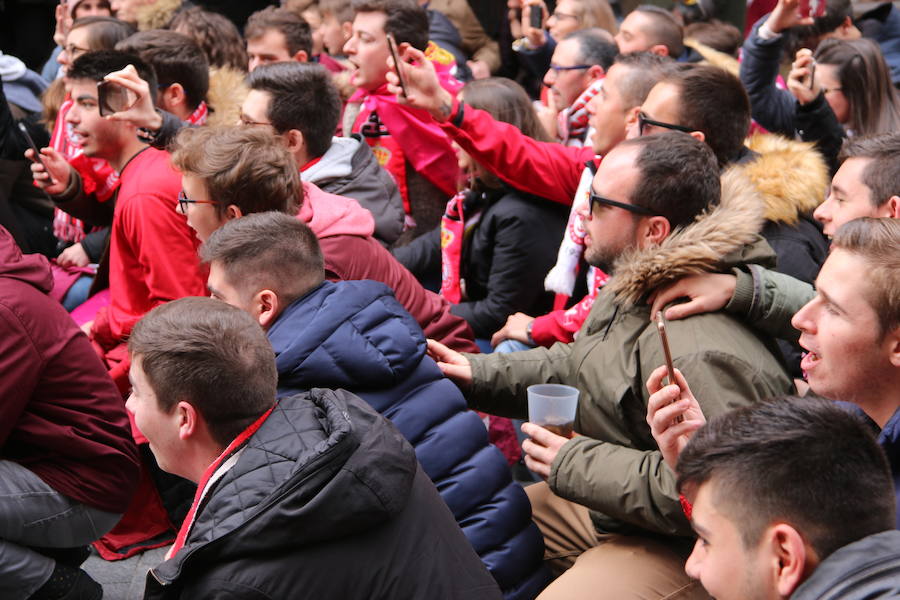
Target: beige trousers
{"points": [[597, 566]]}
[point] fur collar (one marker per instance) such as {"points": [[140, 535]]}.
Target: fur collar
{"points": [[697, 248], [790, 176], [227, 90], [157, 15]]}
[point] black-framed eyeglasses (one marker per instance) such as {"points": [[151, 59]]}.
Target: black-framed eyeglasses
{"points": [[184, 201], [643, 121], [638, 210], [248, 122], [556, 68]]}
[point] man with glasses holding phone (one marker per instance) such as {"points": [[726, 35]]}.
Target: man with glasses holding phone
{"points": [[608, 511]]}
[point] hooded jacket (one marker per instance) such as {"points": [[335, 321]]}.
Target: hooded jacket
{"points": [[325, 500], [61, 417], [354, 335], [349, 168], [867, 569], [344, 230], [614, 468]]}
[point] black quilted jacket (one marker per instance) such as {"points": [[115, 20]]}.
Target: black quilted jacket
{"points": [[325, 501]]}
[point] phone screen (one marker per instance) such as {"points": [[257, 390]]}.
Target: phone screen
{"points": [[664, 340], [34, 148], [114, 98], [536, 16], [392, 46]]}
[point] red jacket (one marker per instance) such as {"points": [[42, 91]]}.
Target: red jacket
{"points": [[60, 416], [545, 169], [153, 252], [344, 230]]}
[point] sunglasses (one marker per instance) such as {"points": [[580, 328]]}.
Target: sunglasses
{"points": [[184, 201], [638, 210], [643, 121]]}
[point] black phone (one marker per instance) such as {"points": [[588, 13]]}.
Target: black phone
{"points": [[113, 98], [34, 148], [395, 54], [536, 15], [664, 340]]}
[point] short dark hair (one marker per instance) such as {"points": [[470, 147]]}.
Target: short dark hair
{"points": [[94, 66], [679, 176], [406, 20], [175, 58], [244, 166], [595, 47], [104, 32], [665, 30], [211, 355], [267, 250], [302, 97], [294, 28], [804, 461], [216, 35], [645, 69], [882, 174], [713, 101]]}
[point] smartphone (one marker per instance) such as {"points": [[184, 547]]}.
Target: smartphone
{"points": [[395, 54], [812, 74], [536, 16], [114, 98], [34, 148], [812, 8], [664, 339]]}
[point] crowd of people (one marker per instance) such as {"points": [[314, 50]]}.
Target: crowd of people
{"points": [[274, 288]]}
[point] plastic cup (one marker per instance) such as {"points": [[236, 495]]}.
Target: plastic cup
{"points": [[552, 406]]}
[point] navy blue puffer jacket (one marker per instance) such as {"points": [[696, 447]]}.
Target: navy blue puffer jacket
{"points": [[355, 335]]}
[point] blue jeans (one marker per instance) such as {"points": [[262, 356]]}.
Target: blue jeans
{"points": [[34, 514], [507, 346], [78, 293]]}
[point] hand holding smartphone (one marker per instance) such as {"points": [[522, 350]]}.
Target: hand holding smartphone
{"points": [[395, 55], [664, 340], [35, 149]]}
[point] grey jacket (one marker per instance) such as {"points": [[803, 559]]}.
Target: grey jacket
{"points": [[868, 569], [350, 169]]}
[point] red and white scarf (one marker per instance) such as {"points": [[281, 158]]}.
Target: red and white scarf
{"points": [[572, 126]]}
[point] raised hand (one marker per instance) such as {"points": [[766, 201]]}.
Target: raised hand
{"points": [[664, 406]]}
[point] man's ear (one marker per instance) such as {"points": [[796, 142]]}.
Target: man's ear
{"points": [[188, 420], [233, 211], [892, 207], [660, 49], [295, 141], [301, 56], [892, 341], [347, 30], [699, 136], [266, 306], [172, 96], [631, 116], [791, 559], [595, 72], [655, 230]]}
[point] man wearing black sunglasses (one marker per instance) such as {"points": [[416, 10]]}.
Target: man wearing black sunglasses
{"points": [[789, 177], [657, 209]]}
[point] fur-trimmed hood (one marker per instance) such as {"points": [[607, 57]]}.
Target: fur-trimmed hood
{"points": [[227, 90], [714, 57], [791, 176], [724, 234], [157, 15]]}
